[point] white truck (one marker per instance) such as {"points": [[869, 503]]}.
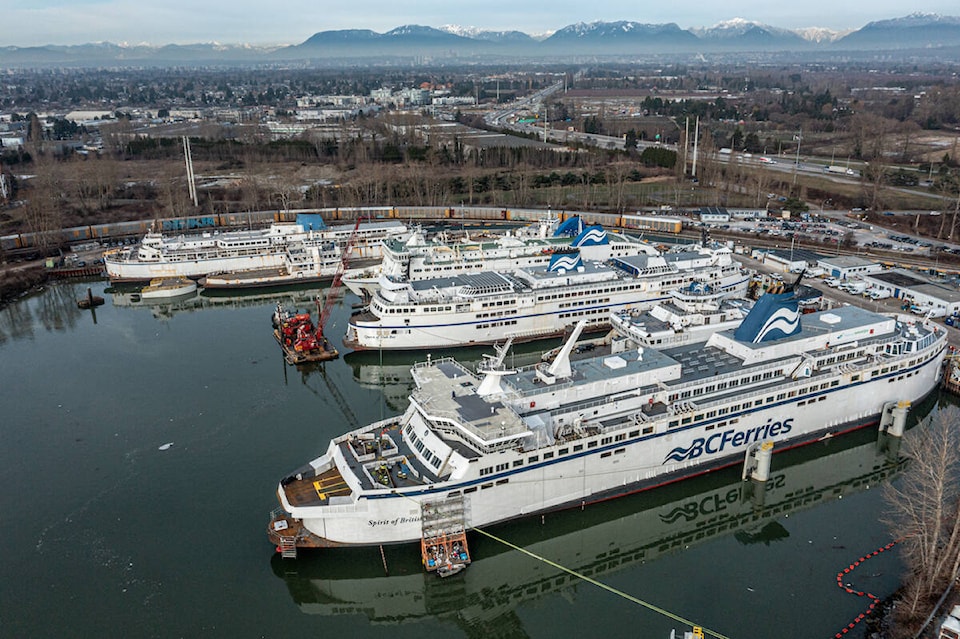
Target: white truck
{"points": [[842, 170], [855, 288]]}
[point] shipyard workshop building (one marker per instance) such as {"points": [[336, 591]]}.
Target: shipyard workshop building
{"points": [[908, 285], [788, 260], [843, 267]]}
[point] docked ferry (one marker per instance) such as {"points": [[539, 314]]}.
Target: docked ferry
{"points": [[306, 247], [532, 303], [419, 258], [510, 443]]}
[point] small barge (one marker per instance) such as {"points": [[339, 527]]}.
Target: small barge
{"points": [[301, 341]]}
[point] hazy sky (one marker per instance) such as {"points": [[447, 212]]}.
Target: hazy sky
{"points": [[34, 22]]}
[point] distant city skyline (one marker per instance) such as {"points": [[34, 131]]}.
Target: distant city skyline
{"points": [[158, 22]]}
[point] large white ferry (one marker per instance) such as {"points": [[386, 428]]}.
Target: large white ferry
{"points": [[417, 258], [532, 303], [604, 541], [509, 443], [296, 247]]}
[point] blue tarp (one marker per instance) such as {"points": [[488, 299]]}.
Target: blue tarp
{"points": [[311, 221]]}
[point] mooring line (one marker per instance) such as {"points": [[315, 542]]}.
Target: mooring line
{"points": [[600, 584]]}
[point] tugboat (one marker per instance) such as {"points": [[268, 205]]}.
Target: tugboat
{"points": [[301, 341]]}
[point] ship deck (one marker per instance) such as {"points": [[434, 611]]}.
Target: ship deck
{"points": [[317, 490]]}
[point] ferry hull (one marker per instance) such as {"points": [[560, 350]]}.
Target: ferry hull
{"points": [[615, 469], [467, 328]]}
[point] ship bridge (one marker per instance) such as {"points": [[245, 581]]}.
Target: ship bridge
{"points": [[446, 393]]}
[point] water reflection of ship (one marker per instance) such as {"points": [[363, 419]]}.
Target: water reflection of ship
{"points": [[126, 296], [599, 541]]}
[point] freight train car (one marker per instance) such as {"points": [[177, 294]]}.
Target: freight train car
{"points": [[652, 223]]}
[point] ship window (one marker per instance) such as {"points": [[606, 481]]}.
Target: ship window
{"points": [[485, 486], [548, 455], [619, 451], [563, 451], [606, 440], [592, 444], [698, 417], [770, 399], [578, 447], [835, 382], [533, 459], [485, 471], [517, 462], [634, 433], [606, 454], [502, 481], [647, 430], [502, 467], [455, 493], [620, 437], [686, 420], [673, 423], [472, 489]]}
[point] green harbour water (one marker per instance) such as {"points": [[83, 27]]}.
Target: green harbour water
{"points": [[141, 446]]}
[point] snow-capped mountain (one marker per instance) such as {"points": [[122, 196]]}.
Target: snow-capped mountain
{"points": [[914, 32], [821, 34], [483, 34]]}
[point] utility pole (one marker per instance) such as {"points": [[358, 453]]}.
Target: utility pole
{"points": [[696, 140], [191, 181], [796, 165]]}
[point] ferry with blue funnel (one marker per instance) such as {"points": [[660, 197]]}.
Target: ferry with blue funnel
{"points": [[535, 302], [419, 258], [506, 443]]}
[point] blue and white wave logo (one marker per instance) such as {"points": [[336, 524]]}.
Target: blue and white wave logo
{"points": [[565, 261], [775, 315], [699, 287], [784, 320], [595, 235]]}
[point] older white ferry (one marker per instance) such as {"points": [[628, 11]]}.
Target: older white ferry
{"points": [[300, 247], [503, 444], [417, 258], [532, 303]]}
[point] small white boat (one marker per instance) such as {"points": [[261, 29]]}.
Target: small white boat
{"points": [[165, 288]]}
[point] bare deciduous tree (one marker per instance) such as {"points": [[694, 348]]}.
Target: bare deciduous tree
{"points": [[924, 511]]}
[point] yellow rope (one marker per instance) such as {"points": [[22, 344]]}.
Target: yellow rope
{"points": [[599, 584], [611, 589]]}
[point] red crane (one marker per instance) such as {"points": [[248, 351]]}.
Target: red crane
{"points": [[335, 286]]}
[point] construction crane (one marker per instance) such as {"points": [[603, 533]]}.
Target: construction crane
{"points": [[337, 283]]}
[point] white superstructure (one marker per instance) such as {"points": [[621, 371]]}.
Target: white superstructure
{"points": [[532, 303], [417, 258], [510, 443], [282, 245], [691, 315]]}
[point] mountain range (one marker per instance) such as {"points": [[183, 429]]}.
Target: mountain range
{"points": [[912, 33]]}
